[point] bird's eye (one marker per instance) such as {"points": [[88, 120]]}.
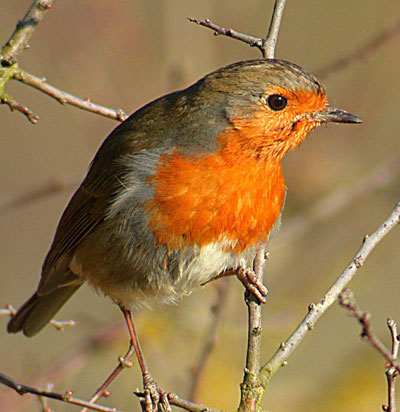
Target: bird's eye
{"points": [[276, 102]]}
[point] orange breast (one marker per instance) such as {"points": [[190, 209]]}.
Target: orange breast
{"points": [[215, 198]]}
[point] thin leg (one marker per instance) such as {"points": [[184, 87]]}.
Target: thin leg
{"points": [[154, 396], [134, 340]]}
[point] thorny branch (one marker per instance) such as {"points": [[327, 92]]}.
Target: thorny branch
{"points": [[9, 69], [348, 301]]}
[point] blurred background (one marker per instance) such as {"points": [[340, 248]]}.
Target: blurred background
{"points": [[343, 181]]}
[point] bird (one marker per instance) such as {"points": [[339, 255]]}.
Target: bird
{"points": [[184, 190]]}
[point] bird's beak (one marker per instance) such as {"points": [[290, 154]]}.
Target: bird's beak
{"points": [[335, 115]]}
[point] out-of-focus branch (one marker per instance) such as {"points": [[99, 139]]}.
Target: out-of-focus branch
{"points": [[361, 52], [266, 46], [59, 325], [333, 203], [63, 397], [23, 32], [348, 301], [37, 193], [217, 312], [280, 357], [9, 69]]}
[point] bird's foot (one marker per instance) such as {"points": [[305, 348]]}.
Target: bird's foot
{"points": [[155, 398], [252, 283]]}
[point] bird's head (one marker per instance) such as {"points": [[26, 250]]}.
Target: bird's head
{"points": [[271, 105]]}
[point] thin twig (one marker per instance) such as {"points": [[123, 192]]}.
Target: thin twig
{"points": [[391, 372], [5, 98], [348, 301], [219, 30], [66, 98], [23, 32], [63, 397], [59, 325], [217, 311], [279, 359], [123, 362], [266, 46], [361, 52]]}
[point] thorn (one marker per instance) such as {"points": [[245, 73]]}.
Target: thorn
{"points": [[311, 306]]}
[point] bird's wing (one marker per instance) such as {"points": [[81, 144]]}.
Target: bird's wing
{"points": [[88, 206]]}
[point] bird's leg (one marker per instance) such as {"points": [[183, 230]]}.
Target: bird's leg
{"points": [[249, 280], [252, 283], [153, 394]]}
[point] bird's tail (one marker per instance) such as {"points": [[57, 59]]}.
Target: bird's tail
{"points": [[37, 312]]}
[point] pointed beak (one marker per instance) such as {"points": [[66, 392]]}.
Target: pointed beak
{"points": [[336, 116]]}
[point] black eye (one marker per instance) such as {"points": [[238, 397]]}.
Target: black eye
{"points": [[276, 102]]}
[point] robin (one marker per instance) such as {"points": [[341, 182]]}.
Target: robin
{"points": [[186, 188]]}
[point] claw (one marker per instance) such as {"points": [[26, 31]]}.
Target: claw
{"points": [[154, 396], [252, 284]]}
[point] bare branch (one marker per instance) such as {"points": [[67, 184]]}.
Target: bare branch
{"points": [[279, 359], [123, 362], [9, 70], [219, 30], [269, 44], [59, 325], [361, 52], [266, 46], [66, 98], [217, 312], [66, 397], [348, 301], [334, 202], [23, 32], [14, 105]]}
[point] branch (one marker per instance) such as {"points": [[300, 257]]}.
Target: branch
{"points": [[273, 31], [266, 46], [217, 311], [348, 301], [337, 200], [59, 325], [66, 98], [279, 359], [23, 32], [361, 52], [5, 98], [66, 397], [9, 70]]}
